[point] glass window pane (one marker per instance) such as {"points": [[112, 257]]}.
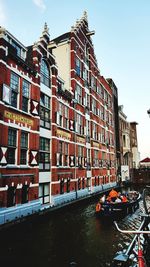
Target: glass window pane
{"points": [[25, 88], [24, 140], [46, 189], [12, 137], [40, 190]]}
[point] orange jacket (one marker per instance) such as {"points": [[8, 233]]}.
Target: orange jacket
{"points": [[113, 193], [124, 199]]}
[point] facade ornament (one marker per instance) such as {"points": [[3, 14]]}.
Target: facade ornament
{"points": [[2, 29], [85, 15], [46, 29]]}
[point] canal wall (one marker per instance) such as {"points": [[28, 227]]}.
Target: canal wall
{"points": [[9, 216]]}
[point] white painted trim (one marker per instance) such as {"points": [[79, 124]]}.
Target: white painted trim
{"points": [[36, 48], [3, 62], [55, 182], [3, 47], [16, 126], [33, 185], [3, 188]]}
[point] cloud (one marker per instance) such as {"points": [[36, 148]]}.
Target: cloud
{"points": [[40, 4], [2, 13]]}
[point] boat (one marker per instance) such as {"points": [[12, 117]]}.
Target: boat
{"points": [[117, 210]]}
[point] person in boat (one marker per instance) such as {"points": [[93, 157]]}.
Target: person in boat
{"points": [[113, 195], [118, 200], [124, 198], [103, 199]]}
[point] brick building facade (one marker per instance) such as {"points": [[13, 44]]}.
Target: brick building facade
{"points": [[56, 119], [88, 140], [19, 123]]}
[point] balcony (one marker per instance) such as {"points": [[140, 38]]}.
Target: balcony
{"points": [[65, 93]]}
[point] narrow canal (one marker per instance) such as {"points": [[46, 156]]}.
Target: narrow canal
{"points": [[64, 238]]}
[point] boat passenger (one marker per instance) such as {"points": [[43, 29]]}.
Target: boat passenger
{"points": [[108, 199], [113, 194], [103, 198], [118, 200], [124, 198]]}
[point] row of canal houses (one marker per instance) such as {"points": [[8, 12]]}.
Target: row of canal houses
{"points": [[59, 131]]}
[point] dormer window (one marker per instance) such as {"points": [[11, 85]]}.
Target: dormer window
{"points": [[18, 49], [45, 74]]}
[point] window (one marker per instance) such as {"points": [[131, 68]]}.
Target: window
{"points": [[95, 131], [87, 101], [94, 109], [12, 138], [80, 151], [109, 101], [66, 151], [88, 130], [78, 67], [86, 58], [14, 85], [85, 77], [60, 154], [100, 91], [111, 139], [78, 94], [96, 161], [80, 155], [24, 148], [63, 154], [102, 113], [62, 116], [105, 95], [20, 51], [110, 120], [107, 117], [93, 83], [79, 124], [44, 111], [103, 136], [45, 75], [44, 161], [18, 48], [44, 190], [88, 153], [66, 117], [60, 86], [25, 95]]}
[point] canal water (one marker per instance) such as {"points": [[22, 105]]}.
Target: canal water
{"points": [[70, 237]]}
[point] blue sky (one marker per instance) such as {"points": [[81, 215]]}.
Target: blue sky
{"points": [[121, 41]]}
